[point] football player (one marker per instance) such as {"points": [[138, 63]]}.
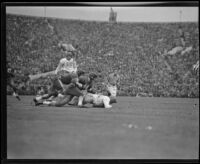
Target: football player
{"points": [[66, 72], [98, 100], [112, 83], [10, 80], [72, 92]]}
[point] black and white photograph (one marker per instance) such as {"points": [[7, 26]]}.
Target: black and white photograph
{"points": [[102, 81]]}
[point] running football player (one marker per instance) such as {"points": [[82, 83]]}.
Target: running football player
{"points": [[10, 81]]}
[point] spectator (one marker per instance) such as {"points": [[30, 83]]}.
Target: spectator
{"points": [[32, 45]]}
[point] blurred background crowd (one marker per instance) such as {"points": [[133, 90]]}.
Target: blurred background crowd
{"points": [[153, 59]]}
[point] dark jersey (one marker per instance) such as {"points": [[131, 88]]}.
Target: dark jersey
{"points": [[86, 82], [10, 79], [113, 79], [10, 73], [55, 85], [84, 79], [69, 78]]}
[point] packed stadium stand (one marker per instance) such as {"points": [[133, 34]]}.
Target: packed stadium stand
{"points": [[144, 52]]}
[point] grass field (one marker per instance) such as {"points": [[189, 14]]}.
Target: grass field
{"points": [[135, 128]]}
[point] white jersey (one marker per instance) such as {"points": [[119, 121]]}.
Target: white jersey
{"points": [[97, 100], [112, 82], [113, 79], [112, 90], [67, 65]]}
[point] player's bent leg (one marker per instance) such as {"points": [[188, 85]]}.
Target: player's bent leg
{"points": [[15, 94], [50, 98], [38, 100], [12, 86], [74, 101], [80, 101], [50, 103], [63, 101], [106, 101], [58, 102], [51, 94], [113, 100], [46, 96], [72, 90], [40, 97]]}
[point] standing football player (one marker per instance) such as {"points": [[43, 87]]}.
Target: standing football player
{"points": [[112, 83]]}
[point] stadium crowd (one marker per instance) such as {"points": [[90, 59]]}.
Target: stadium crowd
{"points": [[140, 51]]}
